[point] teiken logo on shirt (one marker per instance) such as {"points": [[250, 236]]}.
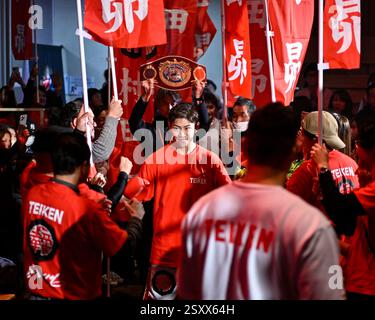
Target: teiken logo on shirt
{"points": [[198, 180]]}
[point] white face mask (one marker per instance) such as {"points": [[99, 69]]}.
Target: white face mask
{"points": [[241, 126]]}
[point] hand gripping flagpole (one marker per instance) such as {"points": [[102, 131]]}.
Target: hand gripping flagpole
{"points": [[225, 82], [81, 35], [321, 67], [269, 34]]}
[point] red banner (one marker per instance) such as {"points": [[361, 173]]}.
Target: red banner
{"points": [[205, 29], [181, 22], [291, 22], [261, 89], [22, 43], [342, 34], [126, 24], [237, 47]]}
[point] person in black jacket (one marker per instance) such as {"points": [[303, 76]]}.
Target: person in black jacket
{"points": [[354, 214]]}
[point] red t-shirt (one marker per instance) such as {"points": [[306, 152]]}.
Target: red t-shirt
{"points": [[361, 259], [177, 182], [64, 237], [304, 181]]}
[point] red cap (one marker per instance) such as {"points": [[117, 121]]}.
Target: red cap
{"points": [[136, 188]]}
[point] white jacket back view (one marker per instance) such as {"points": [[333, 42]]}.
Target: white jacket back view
{"points": [[253, 241]]}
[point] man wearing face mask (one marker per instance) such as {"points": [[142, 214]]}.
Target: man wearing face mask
{"points": [[242, 110]]}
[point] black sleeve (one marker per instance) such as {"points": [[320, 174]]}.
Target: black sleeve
{"points": [[135, 121], [342, 209], [96, 188], [134, 230], [28, 91], [202, 113], [115, 192]]}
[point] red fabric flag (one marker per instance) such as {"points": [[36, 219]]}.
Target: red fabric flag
{"points": [[205, 29], [181, 21], [291, 21], [261, 88], [126, 24], [237, 47], [22, 43], [342, 34]]}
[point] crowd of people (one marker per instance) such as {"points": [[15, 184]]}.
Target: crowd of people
{"points": [[215, 202]]}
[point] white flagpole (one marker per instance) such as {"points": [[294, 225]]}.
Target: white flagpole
{"points": [[270, 34], [36, 63], [225, 82], [113, 69], [108, 261], [320, 72], [109, 77], [84, 74]]}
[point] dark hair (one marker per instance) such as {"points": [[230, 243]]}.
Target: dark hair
{"points": [[271, 136], [210, 98], [98, 110], [183, 111], [371, 78], [45, 140], [4, 131], [69, 152], [105, 74], [366, 132], [68, 113], [344, 132], [91, 92], [211, 83], [10, 100], [163, 94], [344, 96], [301, 104], [370, 87], [241, 101], [311, 67]]}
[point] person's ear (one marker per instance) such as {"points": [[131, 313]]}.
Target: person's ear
{"points": [[73, 123]]}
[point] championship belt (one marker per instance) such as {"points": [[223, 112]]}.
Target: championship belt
{"points": [[173, 72]]}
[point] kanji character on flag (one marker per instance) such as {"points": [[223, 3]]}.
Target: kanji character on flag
{"points": [[342, 34], [261, 89], [205, 29], [291, 22], [237, 46], [21, 32], [126, 23]]}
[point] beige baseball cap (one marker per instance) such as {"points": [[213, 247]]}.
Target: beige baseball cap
{"points": [[330, 128]]}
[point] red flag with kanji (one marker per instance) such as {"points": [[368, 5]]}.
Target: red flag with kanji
{"points": [[237, 47], [22, 44], [181, 22], [291, 21], [342, 34], [261, 89], [126, 24], [205, 29]]}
